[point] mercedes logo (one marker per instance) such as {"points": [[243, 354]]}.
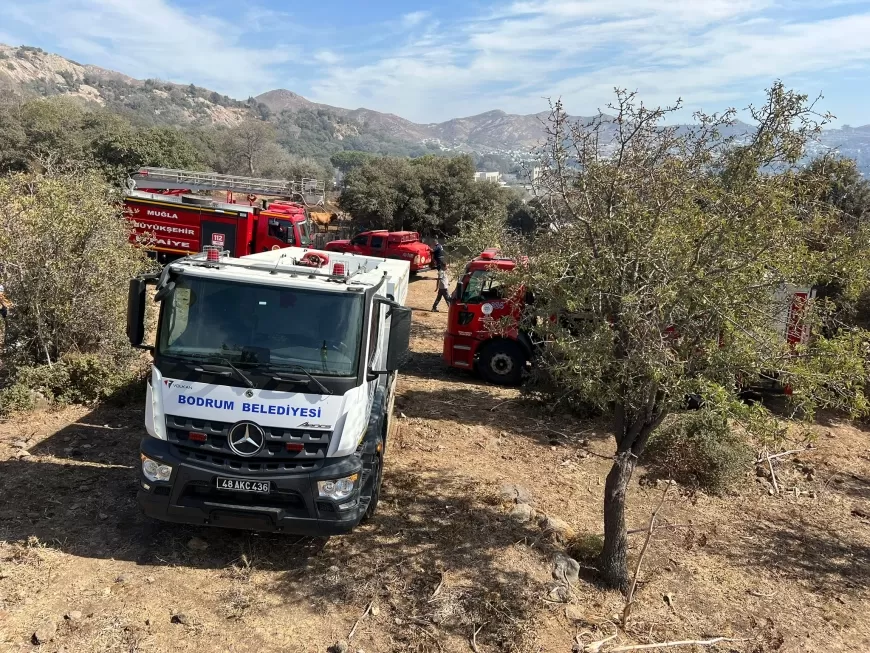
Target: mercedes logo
{"points": [[249, 393], [246, 439]]}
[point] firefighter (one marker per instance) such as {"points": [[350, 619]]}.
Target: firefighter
{"points": [[438, 255], [443, 287]]}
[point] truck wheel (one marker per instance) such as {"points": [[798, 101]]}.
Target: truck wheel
{"points": [[502, 362], [371, 490]]}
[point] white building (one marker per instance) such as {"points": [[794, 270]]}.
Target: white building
{"points": [[494, 177]]}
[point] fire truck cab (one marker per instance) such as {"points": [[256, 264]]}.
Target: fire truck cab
{"points": [[478, 336]]}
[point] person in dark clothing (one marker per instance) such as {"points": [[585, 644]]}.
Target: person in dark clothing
{"points": [[438, 255]]}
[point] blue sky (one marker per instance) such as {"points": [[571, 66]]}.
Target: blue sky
{"points": [[432, 62]]}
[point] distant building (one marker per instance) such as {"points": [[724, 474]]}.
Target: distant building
{"points": [[494, 177]]}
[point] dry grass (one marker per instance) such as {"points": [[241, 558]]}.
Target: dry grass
{"points": [[443, 559]]}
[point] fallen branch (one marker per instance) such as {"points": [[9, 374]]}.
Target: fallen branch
{"points": [[772, 475], [629, 598], [635, 531], [437, 589], [782, 454], [760, 595], [474, 638], [687, 642], [364, 615], [594, 647]]}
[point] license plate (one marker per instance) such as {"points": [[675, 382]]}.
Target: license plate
{"points": [[238, 485]]}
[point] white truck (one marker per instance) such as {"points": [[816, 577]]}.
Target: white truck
{"points": [[271, 389]]}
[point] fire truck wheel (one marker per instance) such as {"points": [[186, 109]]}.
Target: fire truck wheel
{"points": [[502, 362], [371, 491]]}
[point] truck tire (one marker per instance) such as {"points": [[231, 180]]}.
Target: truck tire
{"points": [[502, 362], [371, 490]]}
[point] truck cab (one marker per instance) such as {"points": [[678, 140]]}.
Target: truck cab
{"points": [[282, 224], [271, 390], [482, 333], [405, 245]]}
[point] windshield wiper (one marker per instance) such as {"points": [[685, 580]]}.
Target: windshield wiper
{"points": [[322, 387], [211, 357], [239, 373]]}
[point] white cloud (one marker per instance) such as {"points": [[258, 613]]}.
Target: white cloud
{"points": [[414, 18], [327, 57], [707, 51], [149, 38]]}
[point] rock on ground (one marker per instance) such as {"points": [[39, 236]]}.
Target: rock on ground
{"points": [[566, 568], [522, 513], [515, 493], [557, 529], [44, 633]]}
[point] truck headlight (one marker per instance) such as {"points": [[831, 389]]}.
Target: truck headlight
{"points": [[339, 489], [155, 471]]}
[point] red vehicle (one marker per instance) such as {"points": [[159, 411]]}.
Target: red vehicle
{"points": [[388, 244], [500, 356], [175, 224]]}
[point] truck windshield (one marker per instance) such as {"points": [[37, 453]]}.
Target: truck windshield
{"points": [[282, 230], [305, 232], [252, 325], [480, 287]]}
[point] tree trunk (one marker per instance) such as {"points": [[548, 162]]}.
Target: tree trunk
{"points": [[614, 562]]}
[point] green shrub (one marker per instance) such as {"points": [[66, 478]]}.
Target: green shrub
{"points": [[699, 449], [586, 547], [65, 240], [15, 398], [77, 379]]}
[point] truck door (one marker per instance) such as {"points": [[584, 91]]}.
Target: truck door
{"points": [[377, 245], [274, 233], [359, 244], [480, 301], [220, 234]]}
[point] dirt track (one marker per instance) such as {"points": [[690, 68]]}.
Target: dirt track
{"points": [[443, 559]]}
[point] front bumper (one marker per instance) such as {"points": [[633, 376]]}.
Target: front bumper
{"points": [[293, 506]]}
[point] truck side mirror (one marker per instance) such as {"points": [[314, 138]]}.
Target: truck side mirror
{"points": [[400, 337], [136, 313]]}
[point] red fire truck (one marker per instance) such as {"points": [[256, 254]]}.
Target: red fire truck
{"points": [[405, 245], [174, 223], [480, 301], [501, 354]]}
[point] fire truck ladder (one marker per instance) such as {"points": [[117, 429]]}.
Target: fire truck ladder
{"points": [[311, 191]]}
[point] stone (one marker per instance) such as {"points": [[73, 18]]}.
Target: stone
{"points": [[575, 613], [23, 453], [44, 633], [73, 615], [566, 568], [197, 544], [180, 618], [340, 646], [375, 611], [522, 513], [557, 529], [124, 578], [515, 493], [19, 444], [559, 594]]}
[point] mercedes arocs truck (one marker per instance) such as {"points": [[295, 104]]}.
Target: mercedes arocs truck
{"points": [[271, 390]]}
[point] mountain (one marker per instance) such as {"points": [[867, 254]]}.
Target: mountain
{"points": [[305, 127]]}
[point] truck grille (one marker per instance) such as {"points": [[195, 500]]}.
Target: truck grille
{"points": [[272, 458]]}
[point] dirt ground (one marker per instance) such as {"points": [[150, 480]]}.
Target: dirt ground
{"points": [[444, 566]]}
